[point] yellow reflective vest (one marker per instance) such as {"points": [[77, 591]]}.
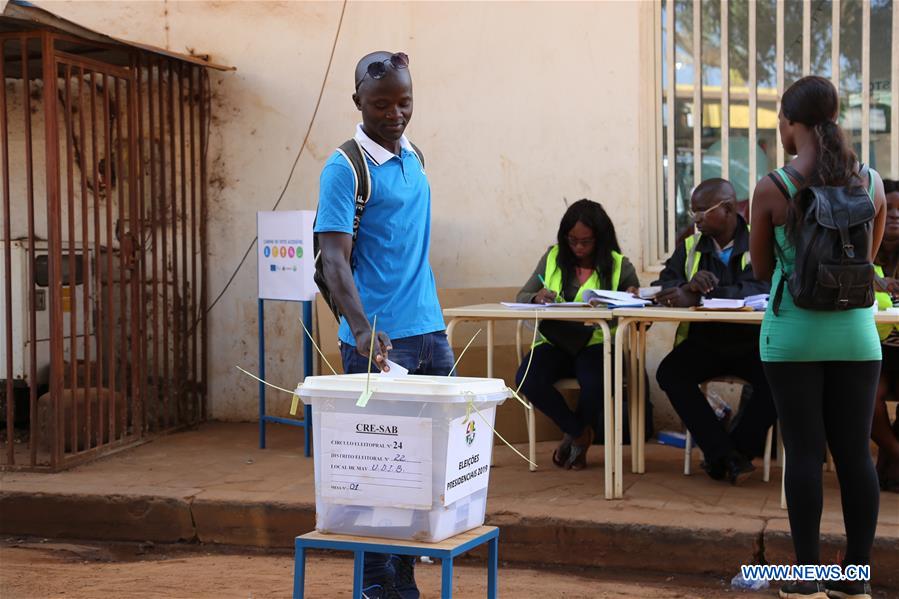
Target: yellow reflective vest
{"points": [[884, 301], [691, 267], [553, 281]]}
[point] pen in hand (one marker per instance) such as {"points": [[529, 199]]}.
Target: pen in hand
{"points": [[556, 299]]}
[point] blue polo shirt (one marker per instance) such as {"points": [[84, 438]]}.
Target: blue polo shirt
{"points": [[392, 272]]}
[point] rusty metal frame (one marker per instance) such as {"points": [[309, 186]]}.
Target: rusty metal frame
{"points": [[125, 170]]}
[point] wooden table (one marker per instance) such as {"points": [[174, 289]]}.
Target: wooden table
{"points": [[639, 319], [490, 313]]}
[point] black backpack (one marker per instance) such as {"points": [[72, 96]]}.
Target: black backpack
{"points": [[833, 270], [352, 151]]}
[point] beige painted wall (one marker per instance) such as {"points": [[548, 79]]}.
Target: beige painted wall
{"points": [[519, 108]]}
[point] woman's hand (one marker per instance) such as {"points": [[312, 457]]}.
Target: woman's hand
{"points": [[544, 296]]}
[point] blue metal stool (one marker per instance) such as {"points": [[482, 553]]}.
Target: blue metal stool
{"points": [[445, 551]]}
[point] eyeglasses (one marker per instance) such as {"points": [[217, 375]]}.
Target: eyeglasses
{"points": [[377, 69], [702, 213], [574, 242]]}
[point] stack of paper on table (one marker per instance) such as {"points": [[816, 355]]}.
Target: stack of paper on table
{"points": [[518, 306], [757, 302], [614, 299], [720, 303]]}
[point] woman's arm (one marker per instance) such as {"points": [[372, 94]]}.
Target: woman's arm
{"points": [[761, 235], [533, 285], [628, 277]]}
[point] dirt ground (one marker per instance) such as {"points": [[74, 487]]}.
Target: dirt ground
{"points": [[40, 568]]}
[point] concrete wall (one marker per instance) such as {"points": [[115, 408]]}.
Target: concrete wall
{"points": [[519, 107]]}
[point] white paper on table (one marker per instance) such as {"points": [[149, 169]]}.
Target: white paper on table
{"points": [[518, 306], [719, 303], [395, 372], [376, 460], [569, 305], [649, 292], [614, 299]]}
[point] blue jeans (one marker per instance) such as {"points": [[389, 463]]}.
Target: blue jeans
{"points": [[420, 354]]}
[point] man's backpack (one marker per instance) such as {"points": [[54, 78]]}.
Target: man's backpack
{"points": [[833, 239], [352, 152]]}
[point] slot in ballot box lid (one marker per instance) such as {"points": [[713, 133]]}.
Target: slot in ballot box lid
{"points": [[413, 387]]}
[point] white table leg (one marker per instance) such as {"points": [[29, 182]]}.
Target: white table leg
{"points": [[641, 395], [490, 329], [617, 472], [607, 401], [632, 391]]}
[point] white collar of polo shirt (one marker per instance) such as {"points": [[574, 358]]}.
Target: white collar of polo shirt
{"points": [[376, 152]]}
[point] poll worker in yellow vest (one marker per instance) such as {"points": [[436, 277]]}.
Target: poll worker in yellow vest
{"points": [[886, 265], [714, 263], [587, 256]]}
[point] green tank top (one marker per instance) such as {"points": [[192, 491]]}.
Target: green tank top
{"points": [[799, 335]]}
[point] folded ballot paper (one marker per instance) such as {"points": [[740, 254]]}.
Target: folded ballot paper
{"points": [[614, 299]]}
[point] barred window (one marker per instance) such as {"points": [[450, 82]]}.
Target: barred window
{"points": [[722, 67]]}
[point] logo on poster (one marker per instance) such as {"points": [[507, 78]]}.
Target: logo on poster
{"points": [[469, 432]]}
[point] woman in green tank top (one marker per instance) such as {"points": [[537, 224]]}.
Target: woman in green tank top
{"points": [[822, 366]]}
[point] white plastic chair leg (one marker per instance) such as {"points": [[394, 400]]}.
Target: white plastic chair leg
{"points": [[688, 454], [766, 468], [783, 478]]}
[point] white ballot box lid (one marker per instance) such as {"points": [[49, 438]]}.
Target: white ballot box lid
{"points": [[413, 387]]}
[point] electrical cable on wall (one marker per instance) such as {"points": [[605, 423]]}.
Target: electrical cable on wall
{"points": [[292, 168]]}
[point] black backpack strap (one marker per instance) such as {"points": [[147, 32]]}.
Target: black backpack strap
{"points": [[795, 175], [779, 292], [780, 185], [865, 171], [352, 151], [421, 157]]}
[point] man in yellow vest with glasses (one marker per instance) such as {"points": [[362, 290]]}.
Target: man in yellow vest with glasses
{"points": [[714, 263]]}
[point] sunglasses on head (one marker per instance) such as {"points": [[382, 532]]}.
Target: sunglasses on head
{"points": [[377, 69]]}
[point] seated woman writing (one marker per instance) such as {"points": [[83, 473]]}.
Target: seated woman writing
{"points": [[587, 256]]}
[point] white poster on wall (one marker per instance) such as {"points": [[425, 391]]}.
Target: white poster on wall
{"points": [[285, 256]]}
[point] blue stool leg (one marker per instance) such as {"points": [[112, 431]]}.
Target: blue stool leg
{"points": [[299, 571], [446, 582], [261, 319], [492, 566], [358, 563], [307, 429]]}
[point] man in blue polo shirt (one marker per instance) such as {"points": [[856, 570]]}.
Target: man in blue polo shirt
{"points": [[390, 276]]}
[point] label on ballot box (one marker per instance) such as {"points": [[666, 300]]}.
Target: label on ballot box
{"points": [[376, 460], [468, 456]]}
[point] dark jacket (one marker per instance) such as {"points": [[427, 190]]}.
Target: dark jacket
{"points": [[734, 282]]}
